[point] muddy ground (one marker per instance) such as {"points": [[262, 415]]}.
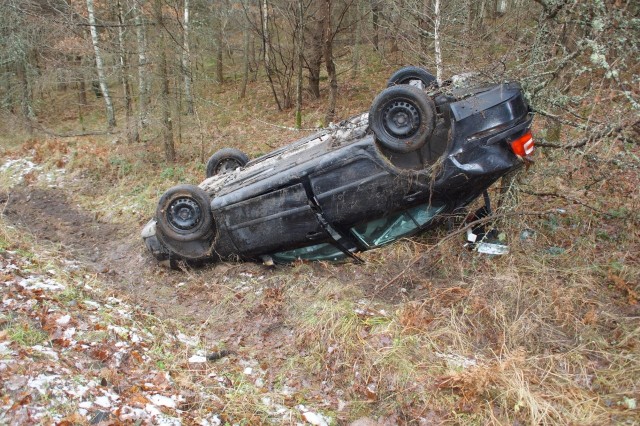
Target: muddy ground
{"points": [[116, 253]]}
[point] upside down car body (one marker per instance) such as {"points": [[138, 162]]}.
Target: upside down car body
{"points": [[422, 151]]}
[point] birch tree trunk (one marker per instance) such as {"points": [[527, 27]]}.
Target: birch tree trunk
{"points": [[167, 125], [186, 59], [142, 63], [132, 134], [102, 79], [436, 42]]}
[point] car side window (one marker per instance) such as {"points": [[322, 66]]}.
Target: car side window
{"points": [[324, 251], [385, 230]]}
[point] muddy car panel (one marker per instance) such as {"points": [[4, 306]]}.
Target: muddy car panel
{"points": [[338, 191]]}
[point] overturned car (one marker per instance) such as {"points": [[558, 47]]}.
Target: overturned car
{"points": [[422, 151]]}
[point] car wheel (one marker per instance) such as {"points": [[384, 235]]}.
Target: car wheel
{"points": [[402, 118], [407, 74], [226, 160], [183, 214]]}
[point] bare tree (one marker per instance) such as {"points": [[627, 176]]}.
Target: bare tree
{"points": [[300, 64], [132, 133], [436, 40], [142, 64], [163, 72], [327, 51], [102, 78]]}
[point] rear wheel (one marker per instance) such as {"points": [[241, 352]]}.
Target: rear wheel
{"points": [[183, 214], [226, 160], [402, 118], [410, 75]]}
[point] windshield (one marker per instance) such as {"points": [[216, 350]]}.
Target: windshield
{"points": [[382, 231]]}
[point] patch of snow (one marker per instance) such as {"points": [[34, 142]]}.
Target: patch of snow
{"points": [[46, 351], [211, 421], [85, 404], [313, 418], [187, 340], [40, 283], [4, 349], [103, 401], [248, 371], [457, 361], [64, 320], [19, 168], [42, 382], [162, 401], [196, 359]]}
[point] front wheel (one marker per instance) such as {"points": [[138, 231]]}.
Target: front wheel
{"points": [[183, 214], [402, 118], [226, 160]]}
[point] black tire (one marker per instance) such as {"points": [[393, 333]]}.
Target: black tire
{"points": [[402, 118], [225, 160], [183, 214], [406, 74]]}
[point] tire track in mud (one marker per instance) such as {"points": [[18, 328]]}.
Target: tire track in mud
{"points": [[118, 257]]}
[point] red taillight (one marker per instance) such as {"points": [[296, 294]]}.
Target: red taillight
{"points": [[523, 146]]}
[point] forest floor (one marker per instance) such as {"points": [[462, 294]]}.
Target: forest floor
{"points": [[93, 331]]}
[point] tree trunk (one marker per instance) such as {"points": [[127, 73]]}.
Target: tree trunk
{"points": [[220, 45], [186, 59], [266, 49], [142, 63], [245, 53], [300, 63], [167, 126], [102, 78], [355, 58], [25, 101], [328, 58], [376, 7], [132, 134], [436, 41], [315, 59]]}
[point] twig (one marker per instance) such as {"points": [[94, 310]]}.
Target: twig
{"points": [[566, 197], [458, 232]]}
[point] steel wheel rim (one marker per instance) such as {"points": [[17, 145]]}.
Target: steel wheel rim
{"points": [[401, 119], [184, 214]]}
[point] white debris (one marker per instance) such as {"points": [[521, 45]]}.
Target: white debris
{"points": [[248, 371]]}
